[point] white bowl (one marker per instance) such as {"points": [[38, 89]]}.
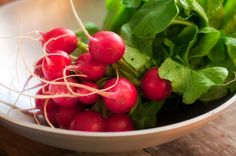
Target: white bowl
{"points": [[27, 15]]}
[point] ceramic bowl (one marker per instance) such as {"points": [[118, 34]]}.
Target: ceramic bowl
{"points": [[24, 16]]}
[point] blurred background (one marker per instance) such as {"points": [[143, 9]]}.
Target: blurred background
{"points": [[4, 1]]}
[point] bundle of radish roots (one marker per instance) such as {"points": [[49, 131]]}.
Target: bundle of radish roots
{"points": [[78, 92]]}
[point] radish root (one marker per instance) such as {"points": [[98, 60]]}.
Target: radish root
{"points": [[46, 115], [80, 21]]}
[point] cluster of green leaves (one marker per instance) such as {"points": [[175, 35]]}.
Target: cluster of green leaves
{"points": [[193, 42]]}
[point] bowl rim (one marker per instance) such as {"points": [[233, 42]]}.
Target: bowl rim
{"points": [[177, 125], [160, 129]]}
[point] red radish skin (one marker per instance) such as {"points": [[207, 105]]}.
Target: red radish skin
{"points": [[55, 89], [53, 65], [90, 121], [65, 115], [123, 96], [153, 87], [51, 109], [106, 47], [51, 115], [39, 103], [67, 43], [118, 123], [38, 68], [90, 99], [87, 66]]}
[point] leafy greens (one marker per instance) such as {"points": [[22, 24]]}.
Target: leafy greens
{"points": [[193, 42]]}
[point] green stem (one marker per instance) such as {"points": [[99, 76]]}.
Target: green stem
{"points": [[127, 74], [82, 46], [124, 65], [177, 21]]}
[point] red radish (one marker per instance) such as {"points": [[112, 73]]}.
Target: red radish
{"points": [[65, 115], [51, 106], [56, 89], [153, 87], [119, 122], [123, 96], [93, 70], [39, 103], [91, 121], [53, 65], [90, 99], [67, 42], [38, 68], [51, 109], [106, 47]]}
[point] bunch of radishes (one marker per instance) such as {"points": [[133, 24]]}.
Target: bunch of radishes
{"points": [[76, 92], [69, 92], [69, 88]]}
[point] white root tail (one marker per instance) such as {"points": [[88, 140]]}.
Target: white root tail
{"points": [[80, 21]]}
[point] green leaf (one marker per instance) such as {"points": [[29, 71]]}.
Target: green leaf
{"points": [[190, 6], [145, 46], [126, 34], [198, 8], [192, 84], [117, 15], [131, 3], [185, 7], [170, 45], [214, 93], [215, 12], [139, 61], [217, 53], [184, 41], [231, 47], [202, 3], [209, 38], [152, 18], [230, 17], [145, 114], [220, 91]]}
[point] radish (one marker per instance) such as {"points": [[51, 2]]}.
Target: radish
{"points": [[51, 106], [123, 96], [90, 99], [106, 47], [50, 109], [91, 121], [67, 42], [65, 115], [56, 89], [119, 122], [153, 87], [54, 64], [93, 70], [38, 68], [39, 102]]}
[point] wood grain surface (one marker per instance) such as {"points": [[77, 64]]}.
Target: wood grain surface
{"points": [[218, 138]]}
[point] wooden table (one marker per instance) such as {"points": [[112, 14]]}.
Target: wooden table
{"points": [[216, 138]]}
